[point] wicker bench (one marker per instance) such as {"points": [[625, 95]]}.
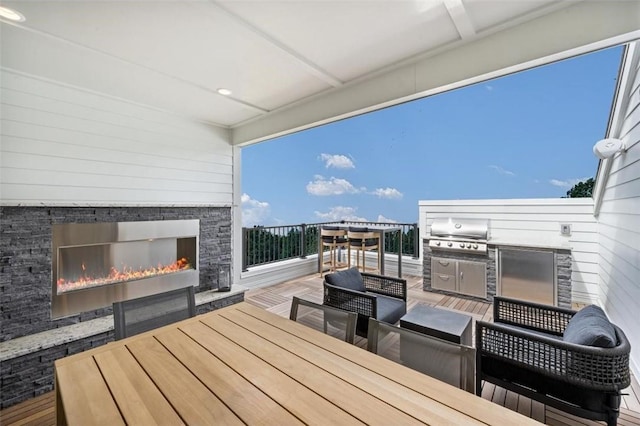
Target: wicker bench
{"points": [[524, 351]]}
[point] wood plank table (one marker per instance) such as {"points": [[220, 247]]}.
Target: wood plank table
{"points": [[244, 365]]}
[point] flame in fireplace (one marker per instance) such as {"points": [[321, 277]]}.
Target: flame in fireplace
{"points": [[121, 275]]}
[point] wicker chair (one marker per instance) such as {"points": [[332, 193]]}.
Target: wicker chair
{"points": [[370, 295], [524, 351]]}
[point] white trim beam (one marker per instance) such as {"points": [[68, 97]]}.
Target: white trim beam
{"points": [[460, 18], [577, 29]]}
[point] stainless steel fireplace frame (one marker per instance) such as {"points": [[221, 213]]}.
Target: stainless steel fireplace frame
{"points": [[80, 234]]}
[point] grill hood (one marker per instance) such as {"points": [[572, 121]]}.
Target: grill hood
{"points": [[463, 229]]}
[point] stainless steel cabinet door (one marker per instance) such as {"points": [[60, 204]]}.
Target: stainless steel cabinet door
{"points": [[443, 274], [441, 265], [443, 282], [472, 278], [527, 275]]}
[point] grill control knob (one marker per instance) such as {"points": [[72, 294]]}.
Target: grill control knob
{"points": [[475, 246], [437, 243], [468, 245], [461, 245], [449, 243]]}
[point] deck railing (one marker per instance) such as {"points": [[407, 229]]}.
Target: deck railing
{"points": [[268, 244]]}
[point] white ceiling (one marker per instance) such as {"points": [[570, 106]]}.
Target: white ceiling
{"points": [[175, 54]]}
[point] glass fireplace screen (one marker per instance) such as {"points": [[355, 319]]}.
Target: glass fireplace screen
{"points": [[82, 267], [96, 264]]}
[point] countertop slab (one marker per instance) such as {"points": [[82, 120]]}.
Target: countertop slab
{"points": [[49, 338], [526, 243], [554, 245]]}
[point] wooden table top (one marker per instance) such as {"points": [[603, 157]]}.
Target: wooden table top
{"points": [[244, 365]]}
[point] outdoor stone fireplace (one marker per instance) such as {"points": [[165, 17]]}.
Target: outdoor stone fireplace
{"points": [[26, 267], [35, 333]]}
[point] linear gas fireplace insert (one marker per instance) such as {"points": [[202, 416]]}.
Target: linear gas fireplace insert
{"points": [[96, 264]]}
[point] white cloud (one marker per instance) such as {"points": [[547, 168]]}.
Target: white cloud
{"points": [[333, 186], [337, 161], [340, 213], [501, 170], [566, 183], [254, 212], [383, 219], [390, 193], [488, 87]]}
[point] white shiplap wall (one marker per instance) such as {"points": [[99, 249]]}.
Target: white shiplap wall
{"points": [[619, 221], [66, 146], [533, 222]]}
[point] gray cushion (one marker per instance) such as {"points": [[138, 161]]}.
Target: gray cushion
{"points": [[349, 278], [390, 309], [338, 240], [591, 327]]}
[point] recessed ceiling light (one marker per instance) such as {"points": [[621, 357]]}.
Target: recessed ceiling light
{"points": [[224, 92], [11, 14]]}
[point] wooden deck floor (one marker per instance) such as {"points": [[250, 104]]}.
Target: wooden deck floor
{"points": [[277, 299]]}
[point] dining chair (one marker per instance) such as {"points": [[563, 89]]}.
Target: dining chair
{"points": [[446, 361], [134, 316], [332, 237], [332, 321], [362, 240]]}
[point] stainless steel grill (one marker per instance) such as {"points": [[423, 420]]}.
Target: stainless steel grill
{"points": [[468, 235]]}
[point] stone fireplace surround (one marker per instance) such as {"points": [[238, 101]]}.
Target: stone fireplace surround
{"points": [[25, 287]]}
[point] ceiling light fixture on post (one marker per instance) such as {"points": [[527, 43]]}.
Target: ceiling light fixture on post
{"points": [[607, 148], [224, 92]]}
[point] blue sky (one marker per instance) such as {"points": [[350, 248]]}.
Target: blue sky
{"points": [[527, 135]]}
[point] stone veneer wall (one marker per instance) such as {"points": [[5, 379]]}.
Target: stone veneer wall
{"points": [[25, 283], [563, 271], [31, 375]]}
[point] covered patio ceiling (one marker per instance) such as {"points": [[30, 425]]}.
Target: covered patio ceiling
{"points": [[295, 64]]}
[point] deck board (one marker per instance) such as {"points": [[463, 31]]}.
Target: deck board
{"points": [[40, 411]]}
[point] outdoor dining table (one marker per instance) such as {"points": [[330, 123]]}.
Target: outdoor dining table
{"points": [[244, 365], [382, 231]]}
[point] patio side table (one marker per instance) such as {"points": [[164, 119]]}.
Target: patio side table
{"points": [[446, 325]]}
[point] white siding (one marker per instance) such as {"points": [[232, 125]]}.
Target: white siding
{"points": [[65, 146], [535, 222], [619, 223]]}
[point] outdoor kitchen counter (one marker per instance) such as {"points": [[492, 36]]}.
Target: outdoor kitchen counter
{"points": [[524, 243], [528, 243]]}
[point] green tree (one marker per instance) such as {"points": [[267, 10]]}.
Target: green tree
{"points": [[582, 189]]}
